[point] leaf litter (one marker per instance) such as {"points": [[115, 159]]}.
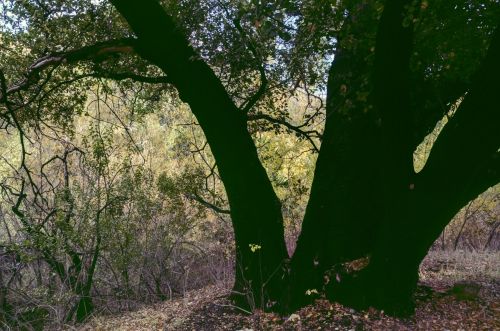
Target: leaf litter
{"points": [[439, 306]]}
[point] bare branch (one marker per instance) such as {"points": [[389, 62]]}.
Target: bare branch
{"points": [[93, 52], [297, 129], [263, 78], [207, 204]]}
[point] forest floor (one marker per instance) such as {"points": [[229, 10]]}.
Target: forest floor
{"points": [[457, 291]]}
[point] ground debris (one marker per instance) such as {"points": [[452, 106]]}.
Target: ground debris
{"points": [[209, 309]]}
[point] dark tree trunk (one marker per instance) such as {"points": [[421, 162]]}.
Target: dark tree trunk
{"points": [[391, 96], [344, 204], [360, 167], [255, 208]]}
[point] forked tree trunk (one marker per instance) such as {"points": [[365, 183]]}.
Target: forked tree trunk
{"points": [[366, 200]]}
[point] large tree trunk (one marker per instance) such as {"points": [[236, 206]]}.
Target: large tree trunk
{"points": [[391, 96], [255, 208], [399, 213], [344, 204]]}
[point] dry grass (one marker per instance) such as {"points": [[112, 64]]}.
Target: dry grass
{"points": [[454, 266], [165, 316]]}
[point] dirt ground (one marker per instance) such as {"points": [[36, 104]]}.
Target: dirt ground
{"points": [[455, 293]]}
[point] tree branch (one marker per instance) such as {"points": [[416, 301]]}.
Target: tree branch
{"points": [[465, 158], [207, 204], [225, 126], [297, 129], [263, 78], [392, 88], [94, 52]]}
